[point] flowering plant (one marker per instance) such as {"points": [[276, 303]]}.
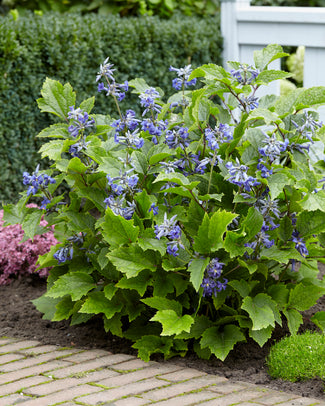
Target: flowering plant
{"points": [[199, 223], [18, 257]]}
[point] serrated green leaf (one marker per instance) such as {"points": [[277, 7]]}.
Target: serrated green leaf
{"points": [[268, 76], [46, 305], [64, 309], [132, 260], [280, 255], [139, 162], [75, 284], [152, 244], [261, 336], [196, 270], [319, 319], [51, 149], [265, 115], [221, 342], [172, 323], [267, 55], [114, 325], [75, 165], [303, 297], [59, 130], [31, 223], [314, 201], [96, 303], [88, 104], [311, 222], [56, 98], [209, 71], [234, 244], [118, 231], [260, 311], [252, 223], [95, 195], [243, 287], [138, 283], [294, 319], [162, 303], [211, 232], [150, 344], [277, 182]]}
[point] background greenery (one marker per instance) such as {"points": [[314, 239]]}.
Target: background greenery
{"points": [[70, 47]]}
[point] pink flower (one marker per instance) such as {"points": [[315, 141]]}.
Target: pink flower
{"points": [[19, 259]]}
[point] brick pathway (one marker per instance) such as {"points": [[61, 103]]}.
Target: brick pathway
{"points": [[32, 374]]}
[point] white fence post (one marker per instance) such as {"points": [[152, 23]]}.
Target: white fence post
{"points": [[247, 28]]}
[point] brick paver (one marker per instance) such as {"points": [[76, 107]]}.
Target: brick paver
{"points": [[32, 374]]}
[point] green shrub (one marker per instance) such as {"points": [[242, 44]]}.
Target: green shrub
{"points": [[70, 48], [298, 357], [184, 225]]}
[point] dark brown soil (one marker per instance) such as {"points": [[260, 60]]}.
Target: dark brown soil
{"points": [[19, 318]]}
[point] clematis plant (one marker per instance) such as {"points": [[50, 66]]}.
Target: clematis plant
{"points": [[194, 225]]}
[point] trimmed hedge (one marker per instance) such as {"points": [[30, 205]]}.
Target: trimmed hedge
{"points": [[70, 48]]}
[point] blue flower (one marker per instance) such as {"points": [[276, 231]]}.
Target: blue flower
{"points": [[238, 176], [154, 209], [248, 103], [300, 244], [265, 171], [147, 100], [36, 181], [209, 286], [81, 121], [114, 89], [44, 203], [245, 74], [130, 139], [220, 135], [214, 269], [177, 137], [105, 70], [183, 76], [120, 207], [308, 128], [123, 183], [273, 147], [167, 227], [64, 254]]}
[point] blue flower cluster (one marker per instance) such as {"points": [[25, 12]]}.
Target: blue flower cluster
{"points": [[177, 137], [112, 88], [218, 135], [81, 121], [172, 231], [273, 147], [245, 74], [238, 176], [124, 183], [36, 181], [300, 244], [183, 75], [64, 254], [211, 283]]}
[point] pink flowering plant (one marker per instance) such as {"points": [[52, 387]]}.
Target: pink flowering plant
{"points": [[196, 224], [18, 256]]}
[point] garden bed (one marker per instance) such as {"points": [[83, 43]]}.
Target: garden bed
{"points": [[19, 318]]}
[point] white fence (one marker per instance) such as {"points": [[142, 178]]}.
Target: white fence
{"points": [[246, 28]]}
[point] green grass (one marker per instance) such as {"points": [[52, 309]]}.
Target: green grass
{"points": [[298, 357]]}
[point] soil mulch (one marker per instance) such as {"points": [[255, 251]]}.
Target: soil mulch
{"points": [[19, 318]]}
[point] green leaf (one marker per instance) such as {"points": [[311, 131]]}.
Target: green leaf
{"points": [[265, 115], [114, 325], [243, 287], [138, 283], [252, 223], [210, 71], [319, 319], [172, 323], [117, 231], [260, 311], [46, 305], [267, 55], [75, 165], [79, 222], [281, 256], [277, 182], [285, 230], [132, 260], [64, 309], [31, 223], [211, 232], [158, 153], [311, 222], [51, 149], [162, 303], [261, 336], [221, 342], [88, 104], [56, 98], [303, 297], [75, 284], [177, 178], [314, 201], [234, 244], [139, 162], [59, 130], [196, 270], [147, 243], [95, 195], [294, 319], [96, 303], [268, 76], [140, 86], [150, 344]]}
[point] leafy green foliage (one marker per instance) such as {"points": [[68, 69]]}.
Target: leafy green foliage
{"points": [[188, 227], [69, 48]]}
